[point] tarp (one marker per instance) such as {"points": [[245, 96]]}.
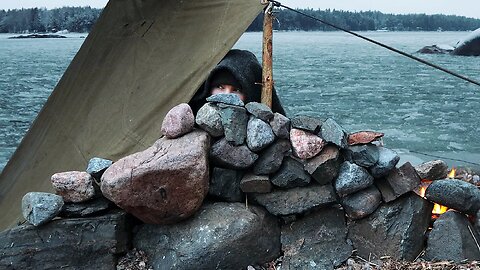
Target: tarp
{"points": [[142, 58]]}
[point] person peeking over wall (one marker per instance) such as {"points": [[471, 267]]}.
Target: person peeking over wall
{"points": [[239, 72]]}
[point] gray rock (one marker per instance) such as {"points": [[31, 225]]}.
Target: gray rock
{"points": [[398, 182], [318, 241], [456, 194], [86, 243], [332, 132], [259, 134], [451, 239], [225, 184], [96, 166], [432, 170], [307, 123], [234, 122], [39, 207], [271, 158], [296, 200], [387, 160], [86, 209], [208, 118], [477, 221], [280, 125], [325, 167], [252, 183], [220, 236], [362, 155], [395, 229], [260, 111], [352, 178], [233, 157], [362, 203], [230, 99], [291, 174]]}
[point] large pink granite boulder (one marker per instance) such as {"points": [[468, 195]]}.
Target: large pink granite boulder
{"points": [[178, 121], [165, 183], [73, 186], [305, 144]]}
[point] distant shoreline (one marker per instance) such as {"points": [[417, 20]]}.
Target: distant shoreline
{"points": [[37, 36]]}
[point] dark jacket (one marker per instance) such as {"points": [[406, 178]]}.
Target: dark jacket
{"points": [[246, 69]]}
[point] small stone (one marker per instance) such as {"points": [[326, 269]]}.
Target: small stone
{"points": [[73, 186], [456, 194], [178, 121], [260, 111], [259, 134], [387, 160], [38, 207], [280, 126], [291, 174], [234, 122], [476, 180], [233, 157], [296, 200], [96, 166], [363, 155], [364, 137], [452, 239], [86, 209], [352, 178], [334, 133], [271, 158], [307, 123], [324, 167], [432, 170], [208, 118], [225, 184], [361, 204], [230, 99], [252, 183], [305, 145], [398, 182]]}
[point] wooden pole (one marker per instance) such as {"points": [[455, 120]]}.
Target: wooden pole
{"points": [[267, 71]]}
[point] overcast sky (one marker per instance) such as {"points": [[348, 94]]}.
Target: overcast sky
{"points": [[470, 8]]}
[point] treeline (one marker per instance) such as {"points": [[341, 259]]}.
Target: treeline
{"points": [[366, 21], [37, 20], [81, 19]]}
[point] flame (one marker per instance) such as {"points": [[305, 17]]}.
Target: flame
{"points": [[422, 191], [439, 209], [451, 174]]}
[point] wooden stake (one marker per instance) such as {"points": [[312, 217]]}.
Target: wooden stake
{"points": [[267, 71]]}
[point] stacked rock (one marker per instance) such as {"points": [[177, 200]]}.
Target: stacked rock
{"points": [[77, 195]]}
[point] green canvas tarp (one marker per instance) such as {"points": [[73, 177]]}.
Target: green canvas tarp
{"points": [[142, 58]]}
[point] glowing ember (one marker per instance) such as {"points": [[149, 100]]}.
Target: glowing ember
{"points": [[451, 174]]}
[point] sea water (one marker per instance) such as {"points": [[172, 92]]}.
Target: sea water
{"points": [[326, 74]]}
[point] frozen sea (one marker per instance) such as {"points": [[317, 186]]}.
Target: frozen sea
{"points": [[423, 112]]}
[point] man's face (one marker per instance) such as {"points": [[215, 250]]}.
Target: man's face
{"points": [[227, 89]]}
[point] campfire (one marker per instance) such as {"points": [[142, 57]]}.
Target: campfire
{"points": [[437, 208]]}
